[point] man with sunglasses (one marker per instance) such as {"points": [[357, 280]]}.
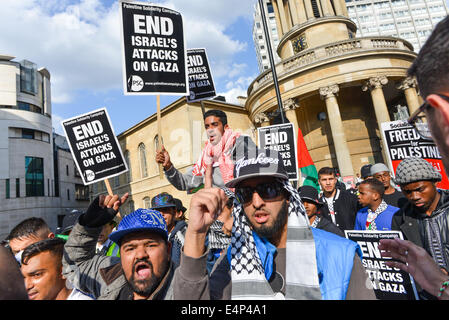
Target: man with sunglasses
{"points": [[261, 261]]}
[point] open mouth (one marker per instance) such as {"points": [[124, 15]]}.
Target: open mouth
{"points": [[261, 217], [142, 270]]}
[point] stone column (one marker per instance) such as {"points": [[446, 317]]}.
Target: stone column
{"points": [[301, 11], [290, 106], [309, 10], [338, 133], [277, 16], [262, 119], [326, 7], [375, 85], [282, 16], [408, 85], [294, 12]]}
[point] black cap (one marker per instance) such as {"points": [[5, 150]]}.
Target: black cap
{"points": [[309, 193], [261, 163], [70, 220], [179, 206], [365, 171]]}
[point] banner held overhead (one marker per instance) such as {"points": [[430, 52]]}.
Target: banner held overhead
{"points": [[94, 146], [201, 84], [154, 52]]}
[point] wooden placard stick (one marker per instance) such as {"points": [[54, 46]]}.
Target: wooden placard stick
{"points": [[159, 133]]}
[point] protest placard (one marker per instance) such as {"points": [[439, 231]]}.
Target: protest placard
{"points": [[402, 141], [94, 146], [201, 84], [388, 283], [154, 52], [281, 138]]}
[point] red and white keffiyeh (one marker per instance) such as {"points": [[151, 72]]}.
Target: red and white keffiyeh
{"points": [[220, 153]]}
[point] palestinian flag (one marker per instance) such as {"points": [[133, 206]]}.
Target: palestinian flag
{"points": [[305, 164]]}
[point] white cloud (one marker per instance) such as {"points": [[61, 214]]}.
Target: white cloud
{"points": [[78, 41], [56, 123]]}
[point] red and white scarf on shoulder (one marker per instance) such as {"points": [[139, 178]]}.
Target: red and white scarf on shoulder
{"points": [[220, 153]]}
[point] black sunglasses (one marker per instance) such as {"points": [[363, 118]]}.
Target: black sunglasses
{"points": [[417, 119], [267, 191]]}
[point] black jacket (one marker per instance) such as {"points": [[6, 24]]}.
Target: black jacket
{"points": [[416, 227], [413, 226], [346, 206], [327, 225]]}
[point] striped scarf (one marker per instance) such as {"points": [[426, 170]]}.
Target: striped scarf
{"points": [[247, 271]]}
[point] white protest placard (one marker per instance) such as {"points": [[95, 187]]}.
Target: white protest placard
{"points": [[154, 51], [94, 146], [281, 138], [388, 283]]}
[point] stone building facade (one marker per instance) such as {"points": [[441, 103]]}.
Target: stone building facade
{"points": [[337, 88]]}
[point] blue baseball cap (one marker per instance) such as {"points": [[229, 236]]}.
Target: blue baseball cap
{"points": [[140, 220]]}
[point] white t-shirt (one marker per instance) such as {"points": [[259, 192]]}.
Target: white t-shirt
{"points": [[78, 295]]}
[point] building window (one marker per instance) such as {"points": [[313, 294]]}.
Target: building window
{"points": [[7, 189], [28, 107], [28, 78], [146, 203], [17, 188], [68, 194], [67, 169], [128, 163], [34, 177], [81, 192], [143, 161], [27, 134]]}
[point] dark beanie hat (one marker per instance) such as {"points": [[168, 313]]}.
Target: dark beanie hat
{"points": [[415, 169]]}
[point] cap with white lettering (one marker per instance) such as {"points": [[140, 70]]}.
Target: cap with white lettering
{"points": [[261, 163]]}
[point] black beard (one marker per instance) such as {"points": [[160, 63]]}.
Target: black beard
{"points": [[146, 287], [278, 224]]}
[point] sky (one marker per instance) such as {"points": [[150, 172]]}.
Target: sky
{"points": [[79, 43]]}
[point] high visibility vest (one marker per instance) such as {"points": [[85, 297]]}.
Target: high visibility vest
{"points": [[113, 250]]}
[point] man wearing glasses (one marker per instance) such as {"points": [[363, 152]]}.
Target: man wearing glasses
{"points": [[321, 265]]}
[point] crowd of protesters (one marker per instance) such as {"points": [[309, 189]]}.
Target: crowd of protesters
{"points": [[248, 233]]}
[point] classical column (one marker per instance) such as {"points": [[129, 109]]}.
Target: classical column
{"points": [[338, 132], [375, 85], [277, 17], [309, 10], [262, 119], [282, 16], [290, 106], [408, 85], [294, 11], [326, 7], [301, 11]]}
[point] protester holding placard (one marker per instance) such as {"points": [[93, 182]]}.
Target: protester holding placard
{"points": [[261, 261], [376, 214], [221, 151]]}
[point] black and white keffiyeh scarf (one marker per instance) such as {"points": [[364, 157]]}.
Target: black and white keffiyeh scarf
{"points": [[247, 271]]}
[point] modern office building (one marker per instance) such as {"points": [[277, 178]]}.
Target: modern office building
{"points": [[412, 20], [259, 37], [29, 180]]}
